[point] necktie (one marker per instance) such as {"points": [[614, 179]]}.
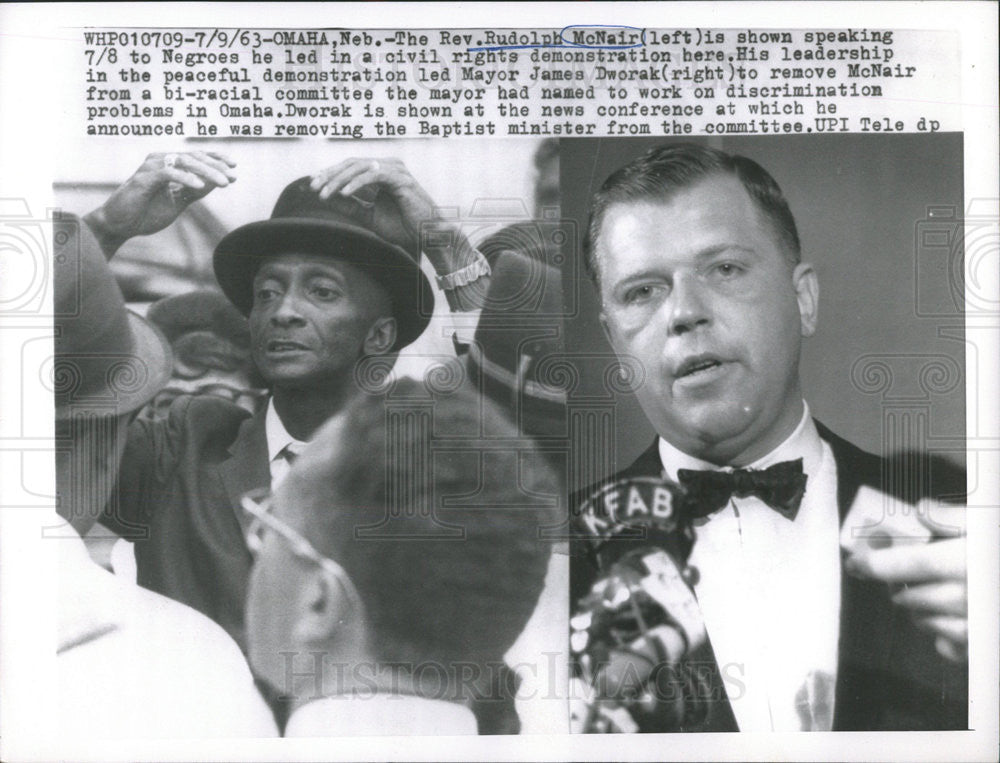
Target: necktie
{"points": [[780, 486], [291, 452], [281, 464]]}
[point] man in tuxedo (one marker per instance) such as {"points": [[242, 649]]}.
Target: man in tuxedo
{"points": [[332, 288], [696, 260]]}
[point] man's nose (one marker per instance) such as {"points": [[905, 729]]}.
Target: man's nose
{"points": [[688, 305], [287, 311]]}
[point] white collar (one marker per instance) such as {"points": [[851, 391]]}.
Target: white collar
{"points": [[277, 436], [804, 443], [380, 715]]}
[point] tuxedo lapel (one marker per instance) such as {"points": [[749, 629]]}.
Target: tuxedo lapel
{"points": [[648, 464], [866, 614], [865, 618], [247, 467]]}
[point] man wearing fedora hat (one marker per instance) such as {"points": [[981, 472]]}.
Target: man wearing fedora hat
{"points": [[108, 364], [330, 279]]}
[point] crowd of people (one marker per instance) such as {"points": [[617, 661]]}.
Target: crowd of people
{"points": [[329, 551]]}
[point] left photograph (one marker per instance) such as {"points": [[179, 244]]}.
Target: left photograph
{"points": [[311, 469]]}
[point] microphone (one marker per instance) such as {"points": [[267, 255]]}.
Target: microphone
{"points": [[640, 618]]}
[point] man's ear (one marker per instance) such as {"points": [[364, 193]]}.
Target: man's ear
{"points": [[322, 609], [807, 293], [381, 336]]}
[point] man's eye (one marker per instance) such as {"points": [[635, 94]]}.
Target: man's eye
{"points": [[265, 293], [325, 292], [638, 294], [728, 269]]}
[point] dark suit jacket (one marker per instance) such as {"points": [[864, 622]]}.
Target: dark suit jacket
{"points": [[889, 675], [179, 487]]}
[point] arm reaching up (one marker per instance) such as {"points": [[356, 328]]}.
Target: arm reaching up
{"points": [[156, 194]]}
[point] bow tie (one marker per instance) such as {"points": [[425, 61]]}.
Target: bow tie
{"points": [[780, 486]]}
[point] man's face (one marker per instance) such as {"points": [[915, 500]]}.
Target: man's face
{"points": [[699, 290], [312, 318]]}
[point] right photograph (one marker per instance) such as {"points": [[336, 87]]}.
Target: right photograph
{"points": [[767, 485]]}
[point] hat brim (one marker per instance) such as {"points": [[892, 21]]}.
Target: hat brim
{"points": [[154, 349], [130, 381], [239, 255]]}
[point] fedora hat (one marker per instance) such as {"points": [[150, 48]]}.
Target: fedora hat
{"points": [[199, 310], [302, 222], [520, 330], [108, 360]]}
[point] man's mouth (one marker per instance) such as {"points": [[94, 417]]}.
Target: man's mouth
{"points": [[696, 366], [284, 345]]}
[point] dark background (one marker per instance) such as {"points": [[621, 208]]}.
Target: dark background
{"points": [[879, 217]]}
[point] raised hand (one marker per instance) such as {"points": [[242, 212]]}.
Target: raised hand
{"points": [[156, 194], [382, 196]]}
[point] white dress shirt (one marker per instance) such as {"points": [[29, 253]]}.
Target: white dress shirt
{"points": [[769, 591], [380, 715], [278, 440]]}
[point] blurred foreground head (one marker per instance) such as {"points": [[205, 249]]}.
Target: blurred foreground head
{"points": [[108, 364], [437, 531]]}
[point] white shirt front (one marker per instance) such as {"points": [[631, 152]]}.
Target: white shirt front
{"points": [[769, 591], [380, 715], [277, 440]]}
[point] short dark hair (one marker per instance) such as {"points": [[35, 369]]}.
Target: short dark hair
{"points": [[666, 169], [464, 591]]}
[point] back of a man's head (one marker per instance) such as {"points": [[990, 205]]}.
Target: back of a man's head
{"points": [[108, 363], [666, 170], [437, 525]]}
